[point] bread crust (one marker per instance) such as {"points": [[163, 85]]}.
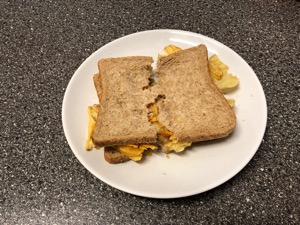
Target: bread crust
{"points": [[97, 84]]}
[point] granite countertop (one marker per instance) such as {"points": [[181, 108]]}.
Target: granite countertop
{"points": [[44, 42]]}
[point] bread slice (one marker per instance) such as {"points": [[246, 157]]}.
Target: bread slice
{"points": [[123, 117], [113, 156], [193, 109]]}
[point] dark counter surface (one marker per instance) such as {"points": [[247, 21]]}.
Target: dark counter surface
{"points": [[43, 43]]}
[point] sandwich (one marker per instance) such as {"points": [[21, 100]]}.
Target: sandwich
{"points": [[122, 124], [181, 107]]}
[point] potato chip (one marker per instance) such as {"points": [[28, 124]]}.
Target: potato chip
{"points": [[171, 49], [231, 102], [92, 113]]}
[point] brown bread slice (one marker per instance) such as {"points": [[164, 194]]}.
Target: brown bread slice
{"points": [[113, 156], [123, 113], [193, 108]]}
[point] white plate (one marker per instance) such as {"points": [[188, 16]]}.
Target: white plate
{"points": [[198, 169]]}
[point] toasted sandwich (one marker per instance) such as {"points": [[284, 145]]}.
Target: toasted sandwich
{"points": [[183, 107]]}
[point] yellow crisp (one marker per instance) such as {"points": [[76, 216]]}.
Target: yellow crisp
{"points": [[135, 152], [175, 145], [132, 152], [165, 132], [148, 146], [216, 67], [92, 114], [228, 83], [171, 49], [225, 81], [153, 119], [231, 102]]}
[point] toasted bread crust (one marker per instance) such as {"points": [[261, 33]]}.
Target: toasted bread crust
{"points": [[123, 102], [113, 156], [194, 108]]}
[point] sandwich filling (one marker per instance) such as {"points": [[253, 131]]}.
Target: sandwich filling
{"points": [[135, 152]]}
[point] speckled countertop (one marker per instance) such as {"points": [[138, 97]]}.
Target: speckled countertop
{"points": [[42, 43]]}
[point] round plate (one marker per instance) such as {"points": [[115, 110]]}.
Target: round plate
{"points": [[200, 168]]}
